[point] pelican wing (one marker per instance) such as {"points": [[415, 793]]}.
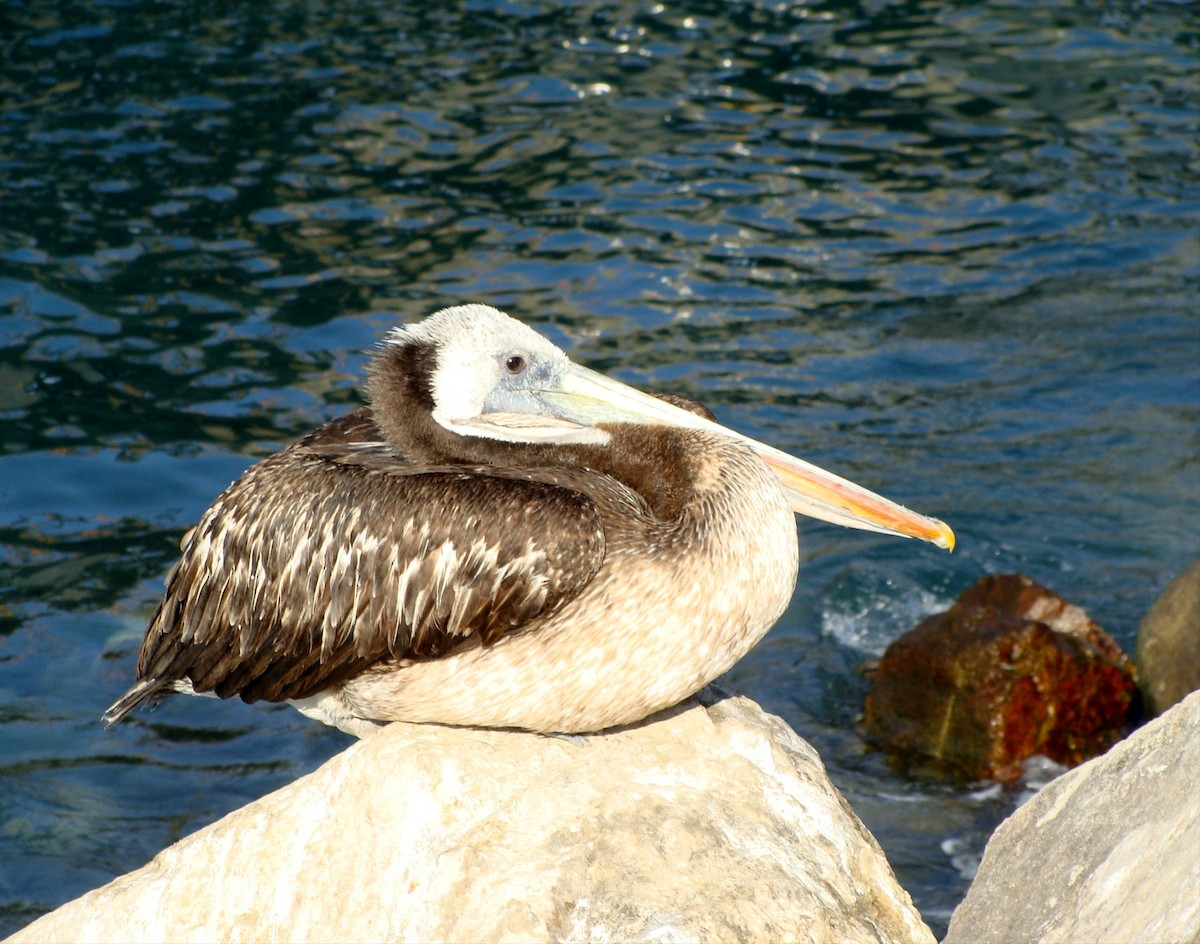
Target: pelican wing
{"points": [[337, 554]]}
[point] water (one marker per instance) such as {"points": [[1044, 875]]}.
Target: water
{"points": [[947, 249]]}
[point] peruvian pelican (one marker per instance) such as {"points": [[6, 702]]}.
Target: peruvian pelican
{"points": [[502, 538]]}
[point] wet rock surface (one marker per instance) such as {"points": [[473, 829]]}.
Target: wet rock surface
{"points": [[1168, 643]]}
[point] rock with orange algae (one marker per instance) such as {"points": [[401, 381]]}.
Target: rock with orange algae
{"points": [[1011, 670]]}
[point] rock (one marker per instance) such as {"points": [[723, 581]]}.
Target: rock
{"points": [[1168, 643], [713, 821], [1109, 851], [1011, 670]]}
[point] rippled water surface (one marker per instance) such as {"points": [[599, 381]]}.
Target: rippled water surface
{"points": [[947, 249]]}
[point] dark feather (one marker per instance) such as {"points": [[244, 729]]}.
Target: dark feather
{"points": [[337, 554]]}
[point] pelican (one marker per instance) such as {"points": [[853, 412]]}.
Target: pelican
{"points": [[502, 538]]}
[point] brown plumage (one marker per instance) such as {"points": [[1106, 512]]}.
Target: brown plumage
{"points": [[285, 561]]}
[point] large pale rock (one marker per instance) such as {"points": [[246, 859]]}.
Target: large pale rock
{"points": [[1107, 852], [712, 822], [1168, 643]]}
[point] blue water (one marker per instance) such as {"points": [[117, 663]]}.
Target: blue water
{"points": [[950, 250]]}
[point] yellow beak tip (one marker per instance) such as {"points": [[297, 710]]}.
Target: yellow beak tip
{"points": [[944, 537]]}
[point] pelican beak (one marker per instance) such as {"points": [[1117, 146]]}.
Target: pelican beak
{"points": [[584, 396]]}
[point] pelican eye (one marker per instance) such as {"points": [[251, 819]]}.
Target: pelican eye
{"points": [[514, 363]]}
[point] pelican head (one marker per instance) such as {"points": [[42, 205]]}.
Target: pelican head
{"points": [[497, 379]]}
